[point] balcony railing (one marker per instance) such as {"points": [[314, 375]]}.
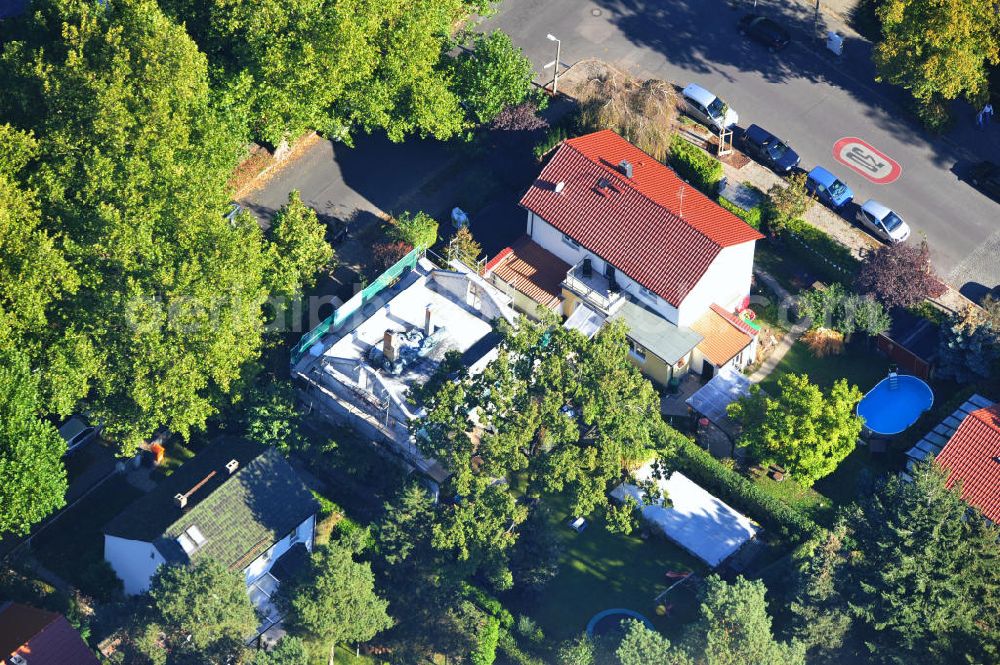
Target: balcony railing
{"points": [[594, 289]]}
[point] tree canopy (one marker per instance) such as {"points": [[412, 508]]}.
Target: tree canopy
{"points": [[493, 76], [899, 275], [800, 428], [153, 300], [201, 610], [938, 50], [923, 574], [970, 346], [336, 600]]}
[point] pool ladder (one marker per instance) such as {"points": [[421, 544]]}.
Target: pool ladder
{"points": [[893, 381]]}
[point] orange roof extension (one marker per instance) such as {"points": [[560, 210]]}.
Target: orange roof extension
{"points": [[972, 457], [634, 223], [532, 270], [724, 338]]}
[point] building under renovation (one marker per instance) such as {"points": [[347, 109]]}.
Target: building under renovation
{"points": [[358, 366]]}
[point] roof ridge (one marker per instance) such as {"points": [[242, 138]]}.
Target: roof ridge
{"points": [[732, 319], [638, 191]]}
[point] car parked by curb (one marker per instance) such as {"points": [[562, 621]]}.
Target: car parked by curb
{"points": [[883, 222], [707, 108], [765, 31], [985, 176], [828, 188], [769, 150]]}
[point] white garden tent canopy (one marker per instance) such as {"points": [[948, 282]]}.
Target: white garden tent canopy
{"points": [[699, 522]]}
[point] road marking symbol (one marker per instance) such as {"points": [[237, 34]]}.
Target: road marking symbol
{"points": [[867, 160]]}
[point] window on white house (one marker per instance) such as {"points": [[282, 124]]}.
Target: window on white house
{"points": [[637, 351], [649, 295], [569, 241]]}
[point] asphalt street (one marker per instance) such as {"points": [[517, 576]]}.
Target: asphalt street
{"points": [[803, 94]]}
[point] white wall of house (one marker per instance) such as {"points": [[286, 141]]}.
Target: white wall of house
{"points": [[553, 240], [725, 283], [134, 561], [303, 533]]}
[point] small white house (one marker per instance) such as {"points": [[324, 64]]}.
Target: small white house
{"points": [[236, 502]]}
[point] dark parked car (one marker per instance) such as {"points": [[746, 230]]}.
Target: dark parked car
{"points": [[764, 30], [769, 150], [985, 176]]}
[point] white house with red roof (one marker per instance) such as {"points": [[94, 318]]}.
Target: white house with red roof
{"points": [[631, 231]]}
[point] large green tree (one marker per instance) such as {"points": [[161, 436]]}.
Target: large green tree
{"points": [[34, 479], [573, 414], [734, 628], [132, 164], [802, 429], [644, 646], [335, 600], [922, 573], [938, 50], [200, 611], [298, 247], [495, 74]]}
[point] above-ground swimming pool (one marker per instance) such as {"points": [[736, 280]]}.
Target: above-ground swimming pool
{"points": [[895, 403]]}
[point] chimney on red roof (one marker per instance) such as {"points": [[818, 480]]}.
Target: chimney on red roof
{"points": [[625, 167]]}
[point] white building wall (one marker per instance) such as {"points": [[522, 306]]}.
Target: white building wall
{"points": [[551, 239], [134, 561], [725, 283], [303, 533]]}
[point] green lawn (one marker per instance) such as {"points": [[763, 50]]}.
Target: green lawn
{"points": [[601, 570], [804, 499], [858, 364]]}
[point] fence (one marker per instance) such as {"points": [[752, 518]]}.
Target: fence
{"points": [[345, 311]]}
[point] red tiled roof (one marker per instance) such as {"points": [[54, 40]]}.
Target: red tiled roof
{"points": [[723, 337], [736, 321], [972, 457], [634, 223], [532, 270], [42, 638]]}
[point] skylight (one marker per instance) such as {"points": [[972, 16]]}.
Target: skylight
{"points": [[186, 543], [195, 534]]}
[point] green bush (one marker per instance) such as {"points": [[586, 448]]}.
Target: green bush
{"points": [[486, 650], [553, 137], [692, 164], [415, 229], [751, 216], [820, 251], [740, 493]]}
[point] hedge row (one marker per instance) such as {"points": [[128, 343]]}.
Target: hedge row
{"points": [[825, 254], [742, 494], [694, 165], [751, 216]]}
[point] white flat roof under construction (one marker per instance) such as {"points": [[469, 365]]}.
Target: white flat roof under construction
{"points": [[697, 521]]}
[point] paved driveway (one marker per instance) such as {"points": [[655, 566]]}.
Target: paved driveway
{"points": [[802, 94]]}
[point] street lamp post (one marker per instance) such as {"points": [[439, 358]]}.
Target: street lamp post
{"points": [[555, 64]]}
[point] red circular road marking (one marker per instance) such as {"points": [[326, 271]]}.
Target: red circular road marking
{"points": [[866, 160]]}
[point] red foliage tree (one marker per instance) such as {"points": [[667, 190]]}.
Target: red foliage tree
{"points": [[385, 254], [899, 275]]}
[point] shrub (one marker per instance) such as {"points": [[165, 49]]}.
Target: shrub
{"points": [[553, 138], [695, 166], [486, 649], [832, 260], [899, 275], [740, 493], [99, 581], [643, 112], [494, 75], [386, 254], [824, 342], [751, 216], [787, 202], [521, 117], [415, 229]]}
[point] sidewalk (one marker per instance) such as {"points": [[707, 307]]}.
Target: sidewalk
{"points": [[789, 338]]}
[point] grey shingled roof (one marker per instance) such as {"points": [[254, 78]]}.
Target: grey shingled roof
{"points": [[240, 515], [650, 330]]}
